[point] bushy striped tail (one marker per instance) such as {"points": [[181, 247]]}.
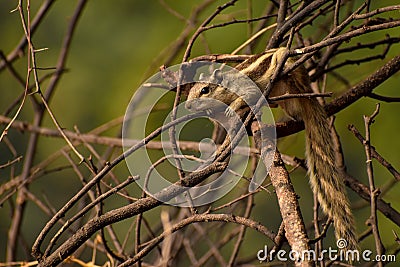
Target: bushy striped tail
{"points": [[325, 179]]}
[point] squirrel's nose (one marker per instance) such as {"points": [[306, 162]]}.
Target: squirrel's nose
{"points": [[188, 104]]}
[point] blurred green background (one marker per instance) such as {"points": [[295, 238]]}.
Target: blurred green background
{"points": [[117, 45]]}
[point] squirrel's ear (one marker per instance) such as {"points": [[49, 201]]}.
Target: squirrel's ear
{"points": [[216, 77]]}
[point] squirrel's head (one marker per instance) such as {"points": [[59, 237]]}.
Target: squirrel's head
{"points": [[209, 93]]}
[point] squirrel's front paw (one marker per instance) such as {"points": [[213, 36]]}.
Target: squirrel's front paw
{"points": [[229, 112]]}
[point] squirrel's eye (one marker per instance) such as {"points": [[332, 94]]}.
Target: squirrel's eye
{"points": [[205, 90]]}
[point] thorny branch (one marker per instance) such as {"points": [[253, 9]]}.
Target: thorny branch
{"points": [[373, 220]]}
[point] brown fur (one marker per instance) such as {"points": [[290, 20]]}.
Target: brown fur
{"points": [[325, 178]]}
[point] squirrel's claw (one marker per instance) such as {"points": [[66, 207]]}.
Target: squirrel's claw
{"points": [[229, 112]]}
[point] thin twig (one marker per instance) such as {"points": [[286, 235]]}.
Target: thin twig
{"points": [[19, 49], [11, 162], [302, 95], [200, 218], [375, 154], [373, 220], [387, 99], [29, 64], [202, 28], [240, 237]]}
